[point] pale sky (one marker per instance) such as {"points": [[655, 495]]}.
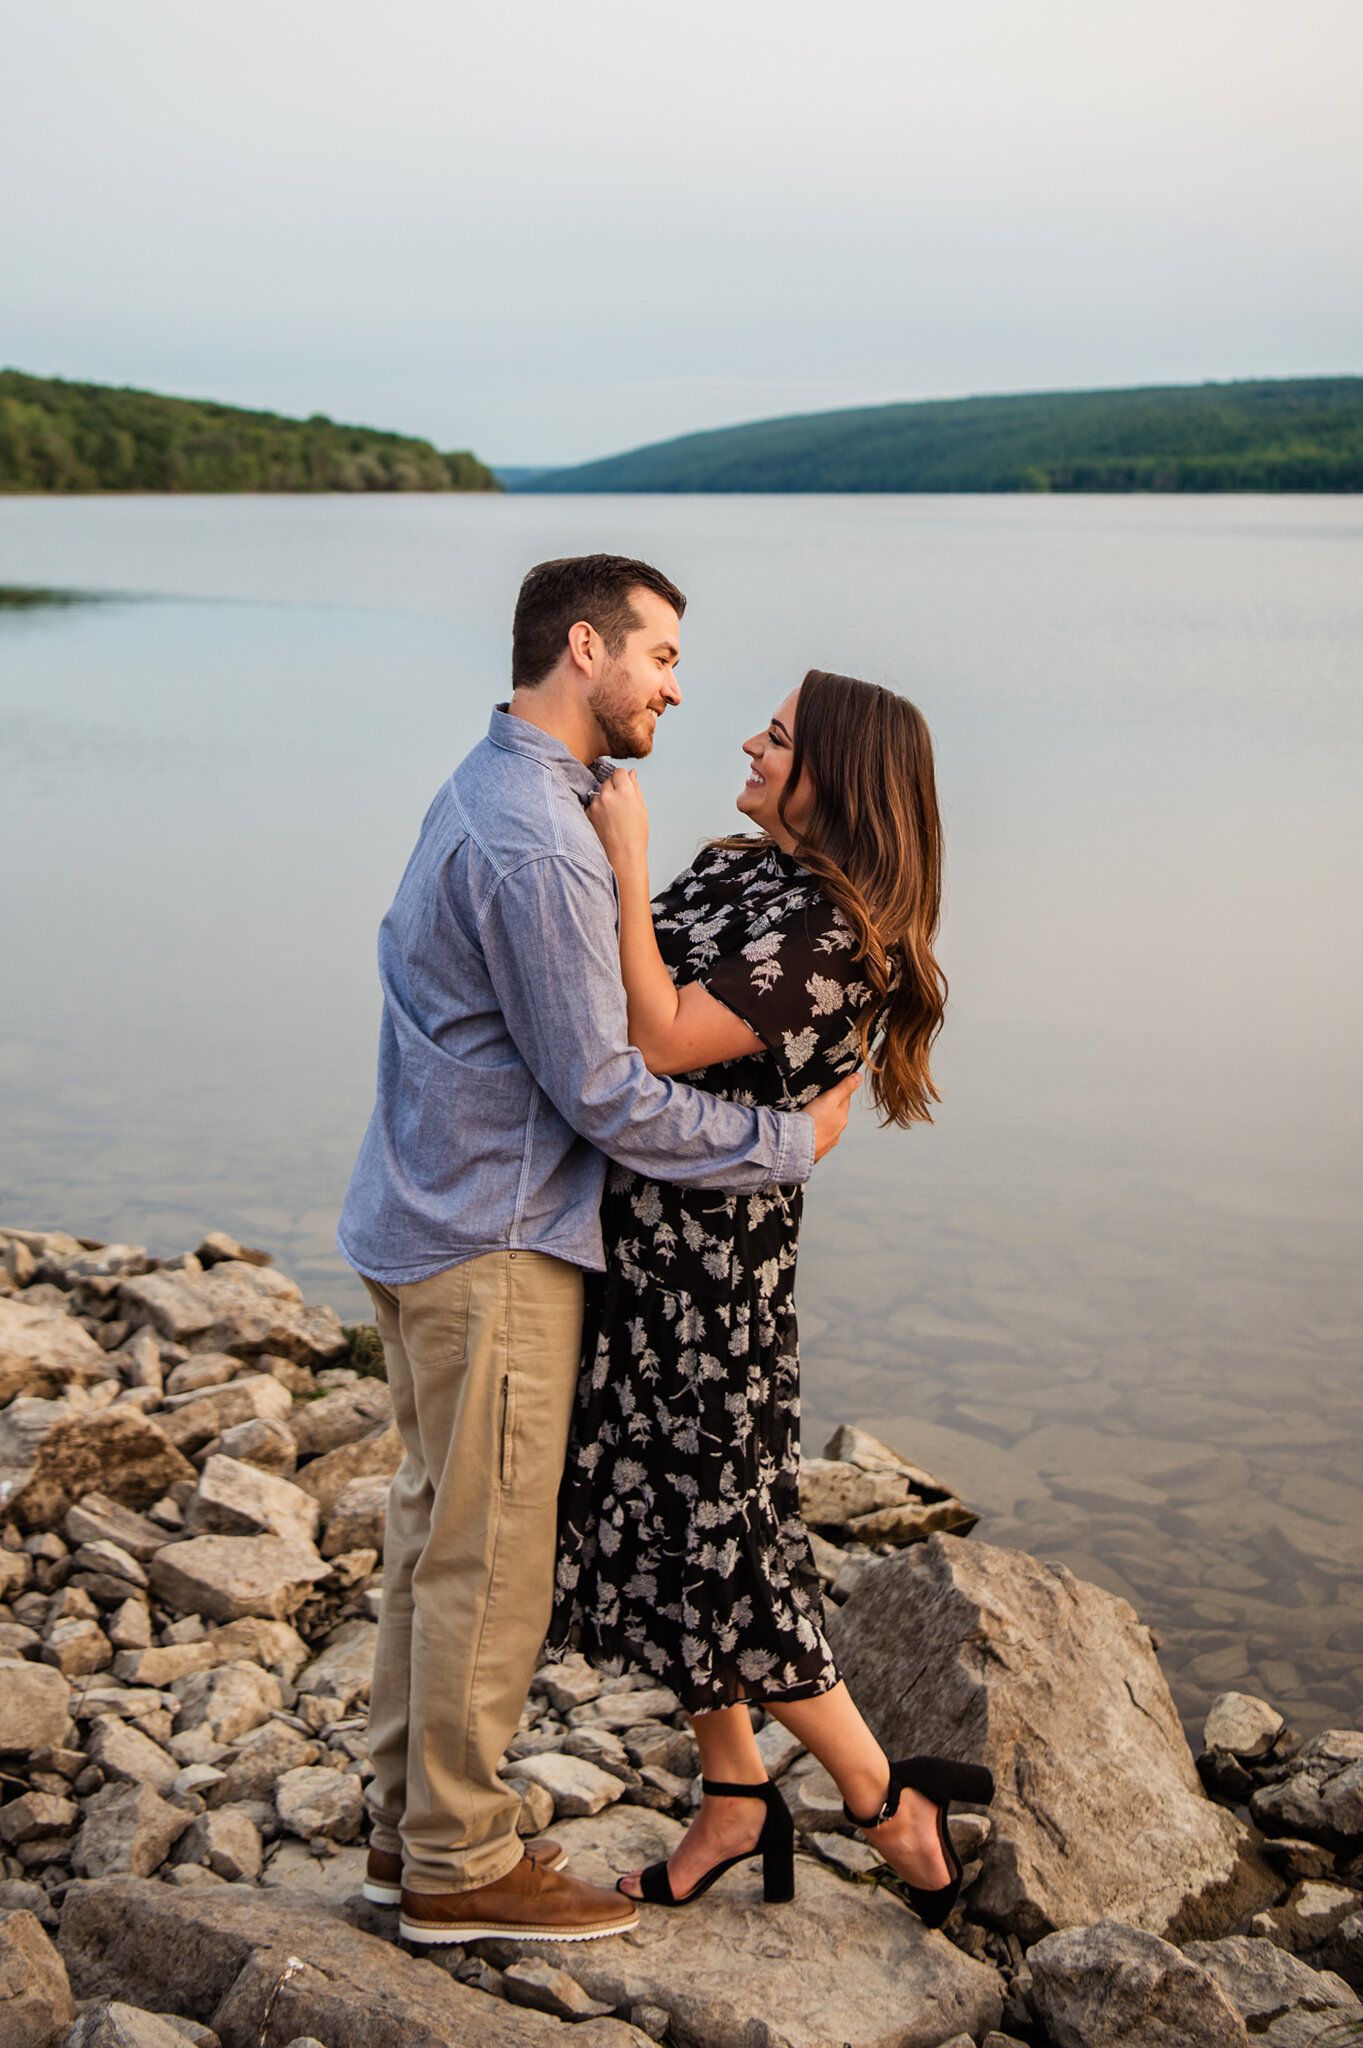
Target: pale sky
{"points": [[552, 231]]}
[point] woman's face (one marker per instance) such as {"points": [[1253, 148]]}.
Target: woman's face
{"points": [[769, 753]]}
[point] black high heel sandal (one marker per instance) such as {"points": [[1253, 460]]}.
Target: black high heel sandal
{"points": [[941, 1781], [775, 1845]]}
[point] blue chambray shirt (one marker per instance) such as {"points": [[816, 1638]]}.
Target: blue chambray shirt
{"points": [[506, 1077]]}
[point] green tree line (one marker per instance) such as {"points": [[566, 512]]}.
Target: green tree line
{"points": [[1287, 434], [59, 436]]}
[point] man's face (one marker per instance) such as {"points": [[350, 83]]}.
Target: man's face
{"points": [[636, 685]]}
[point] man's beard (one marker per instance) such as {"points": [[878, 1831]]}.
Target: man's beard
{"points": [[627, 730]]}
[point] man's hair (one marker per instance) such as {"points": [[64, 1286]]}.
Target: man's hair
{"points": [[556, 595]]}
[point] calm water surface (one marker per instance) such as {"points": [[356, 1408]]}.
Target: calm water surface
{"points": [[1113, 1293]]}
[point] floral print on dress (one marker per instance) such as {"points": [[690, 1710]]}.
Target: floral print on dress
{"points": [[682, 1554]]}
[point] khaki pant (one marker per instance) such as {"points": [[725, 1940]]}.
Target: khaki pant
{"points": [[482, 1362]]}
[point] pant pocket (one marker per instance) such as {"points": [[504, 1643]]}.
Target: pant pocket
{"points": [[508, 1426]]}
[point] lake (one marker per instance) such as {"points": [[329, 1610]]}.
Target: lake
{"points": [[1112, 1294]]}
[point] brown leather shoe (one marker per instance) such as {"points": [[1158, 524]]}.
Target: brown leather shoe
{"points": [[529, 1903], [383, 1872]]}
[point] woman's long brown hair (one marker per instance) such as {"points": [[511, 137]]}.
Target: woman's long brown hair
{"points": [[873, 837]]}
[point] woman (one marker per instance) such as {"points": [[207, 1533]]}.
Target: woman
{"points": [[774, 966]]}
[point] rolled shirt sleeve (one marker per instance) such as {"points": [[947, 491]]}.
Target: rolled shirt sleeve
{"points": [[549, 938]]}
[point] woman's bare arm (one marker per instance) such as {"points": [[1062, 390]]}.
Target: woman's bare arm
{"points": [[675, 1029]]}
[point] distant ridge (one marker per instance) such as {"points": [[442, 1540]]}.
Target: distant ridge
{"points": [[60, 436], [1293, 434]]}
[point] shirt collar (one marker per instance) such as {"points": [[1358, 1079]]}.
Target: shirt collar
{"points": [[518, 736]]}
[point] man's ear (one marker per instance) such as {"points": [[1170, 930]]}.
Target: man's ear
{"points": [[584, 647]]}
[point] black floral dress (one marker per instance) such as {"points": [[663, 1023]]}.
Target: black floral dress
{"points": [[681, 1549]]}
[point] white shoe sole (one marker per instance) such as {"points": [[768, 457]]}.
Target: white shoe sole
{"points": [[428, 1936]]}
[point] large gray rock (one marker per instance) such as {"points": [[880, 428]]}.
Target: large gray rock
{"points": [[77, 1646], [863, 1487], [1321, 1798], [126, 1756], [95, 1518], [51, 1249], [262, 1757], [538, 1984], [202, 1369], [225, 1578], [16, 1573], [218, 1245], [574, 1783], [221, 1954], [257, 1397], [108, 1262], [1307, 1916], [624, 1709], [377, 1455], [1241, 1725], [17, 1263], [841, 1967], [126, 1828], [25, 1424], [111, 2024], [227, 1702], [345, 1668], [233, 1499], [1097, 1987], [34, 1814], [1343, 1951], [36, 2005], [130, 1625], [341, 1417], [914, 1522], [272, 1644], [332, 1880], [1280, 1999], [853, 1446], [317, 1800], [225, 1842], [162, 1663], [43, 1350], [359, 1518], [110, 1561], [119, 1453], [145, 1367], [263, 1442], [957, 1649], [832, 1492], [235, 1307], [33, 1707]]}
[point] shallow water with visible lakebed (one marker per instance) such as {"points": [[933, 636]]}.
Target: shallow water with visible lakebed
{"points": [[1112, 1294]]}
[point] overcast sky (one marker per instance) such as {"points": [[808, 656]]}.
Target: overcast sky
{"points": [[551, 231]]}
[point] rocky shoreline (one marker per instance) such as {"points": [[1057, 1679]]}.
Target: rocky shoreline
{"points": [[193, 1475]]}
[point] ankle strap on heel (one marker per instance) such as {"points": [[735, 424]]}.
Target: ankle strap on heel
{"points": [[889, 1806], [889, 1809], [719, 1791]]}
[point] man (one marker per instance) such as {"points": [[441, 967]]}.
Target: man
{"points": [[506, 1081]]}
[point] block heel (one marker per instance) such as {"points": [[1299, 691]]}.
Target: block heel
{"points": [[775, 1845], [941, 1780]]}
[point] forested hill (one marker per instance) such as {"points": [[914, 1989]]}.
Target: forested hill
{"points": [[56, 436], [1303, 434]]}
